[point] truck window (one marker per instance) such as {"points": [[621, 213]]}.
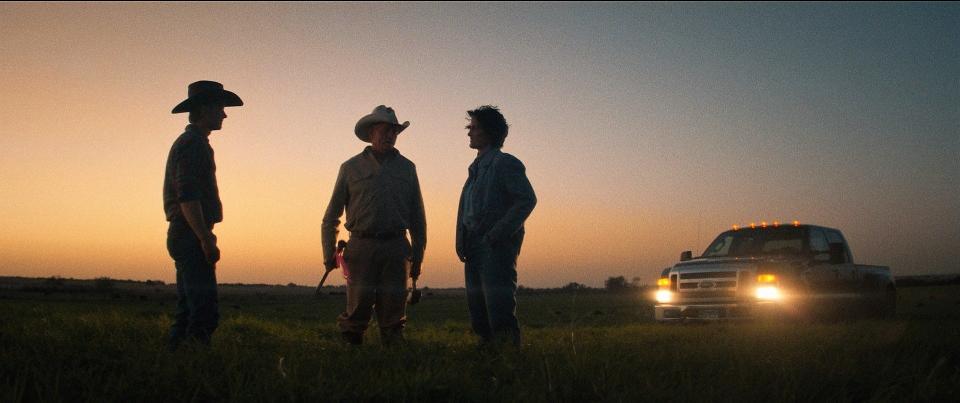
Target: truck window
{"points": [[818, 241], [720, 247], [835, 237], [782, 246], [758, 241]]}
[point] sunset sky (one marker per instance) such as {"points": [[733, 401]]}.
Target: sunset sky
{"points": [[646, 129]]}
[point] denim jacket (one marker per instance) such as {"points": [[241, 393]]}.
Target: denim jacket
{"points": [[502, 200]]}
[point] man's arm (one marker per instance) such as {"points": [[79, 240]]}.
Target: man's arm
{"points": [[187, 184], [418, 229], [331, 220], [193, 212], [516, 184], [459, 243]]}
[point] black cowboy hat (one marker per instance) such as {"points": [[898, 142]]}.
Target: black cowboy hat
{"points": [[203, 92]]}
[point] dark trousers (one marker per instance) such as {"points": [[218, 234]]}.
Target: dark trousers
{"points": [[197, 313], [491, 281]]}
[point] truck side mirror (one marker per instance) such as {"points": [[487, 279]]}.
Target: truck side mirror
{"points": [[837, 253], [686, 255]]}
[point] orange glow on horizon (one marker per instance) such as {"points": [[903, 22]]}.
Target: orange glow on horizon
{"points": [[624, 183]]}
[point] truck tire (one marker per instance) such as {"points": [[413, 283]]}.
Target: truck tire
{"points": [[888, 305], [884, 305]]}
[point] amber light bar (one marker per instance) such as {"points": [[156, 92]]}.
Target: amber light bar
{"points": [[763, 224]]}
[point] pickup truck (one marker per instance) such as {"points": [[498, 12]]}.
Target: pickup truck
{"points": [[773, 270]]}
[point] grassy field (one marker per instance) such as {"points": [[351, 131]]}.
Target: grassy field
{"points": [[280, 344]]}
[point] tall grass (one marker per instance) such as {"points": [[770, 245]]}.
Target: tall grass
{"points": [[576, 348]]}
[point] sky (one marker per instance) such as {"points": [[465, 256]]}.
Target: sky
{"points": [[646, 129]]}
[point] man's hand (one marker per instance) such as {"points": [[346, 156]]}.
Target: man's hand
{"points": [[415, 269], [210, 249], [330, 264], [193, 213], [487, 241]]}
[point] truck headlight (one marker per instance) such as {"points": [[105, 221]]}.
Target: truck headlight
{"points": [[768, 292], [664, 296]]}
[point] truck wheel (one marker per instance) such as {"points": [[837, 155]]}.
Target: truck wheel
{"points": [[884, 305], [887, 307]]}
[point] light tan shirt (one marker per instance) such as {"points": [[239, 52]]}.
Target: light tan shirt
{"points": [[378, 198]]}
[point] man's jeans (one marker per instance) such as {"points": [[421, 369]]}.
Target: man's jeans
{"points": [[197, 313], [491, 280]]}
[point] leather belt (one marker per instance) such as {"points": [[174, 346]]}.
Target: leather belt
{"points": [[379, 235]]}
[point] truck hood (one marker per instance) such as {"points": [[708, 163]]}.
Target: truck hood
{"points": [[727, 263]]}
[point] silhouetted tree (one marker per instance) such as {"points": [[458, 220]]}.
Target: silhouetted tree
{"points": [[104, 284], [573, 287], [617, 284]]}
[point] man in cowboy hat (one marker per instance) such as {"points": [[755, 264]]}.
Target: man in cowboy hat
{"points": [[381, 194], [191, 201], [496, 200]]}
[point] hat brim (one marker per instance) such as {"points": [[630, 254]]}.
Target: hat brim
{"points": [[362, 129], [226, 97]]}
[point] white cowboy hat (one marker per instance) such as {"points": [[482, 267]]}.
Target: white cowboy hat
{"points": [[380, 114]]}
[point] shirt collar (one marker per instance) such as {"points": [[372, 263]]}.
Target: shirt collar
{"points": [[368, 153], [192, 129], [485, 159]]}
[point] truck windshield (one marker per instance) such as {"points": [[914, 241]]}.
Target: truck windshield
{"points": [[757, 241]]}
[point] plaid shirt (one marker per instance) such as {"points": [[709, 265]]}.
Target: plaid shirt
{"points": [[191, 175]]}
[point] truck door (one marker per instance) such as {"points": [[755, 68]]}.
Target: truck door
{"points": [[850, 277], [822, 276]]}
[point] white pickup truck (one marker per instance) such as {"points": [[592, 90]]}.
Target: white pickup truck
{"points": [[793, 270]]}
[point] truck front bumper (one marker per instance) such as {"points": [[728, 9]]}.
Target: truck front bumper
{"points": [[719, 311]]}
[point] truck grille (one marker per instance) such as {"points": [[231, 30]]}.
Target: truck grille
{"points": [[727, 294], [715, 284], [716, 274], [707, 286]]}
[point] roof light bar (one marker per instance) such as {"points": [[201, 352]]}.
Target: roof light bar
{"points": [[764, 224]]}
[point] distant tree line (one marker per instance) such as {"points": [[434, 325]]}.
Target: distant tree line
{"points": [[618, 284], [57, 284]]}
